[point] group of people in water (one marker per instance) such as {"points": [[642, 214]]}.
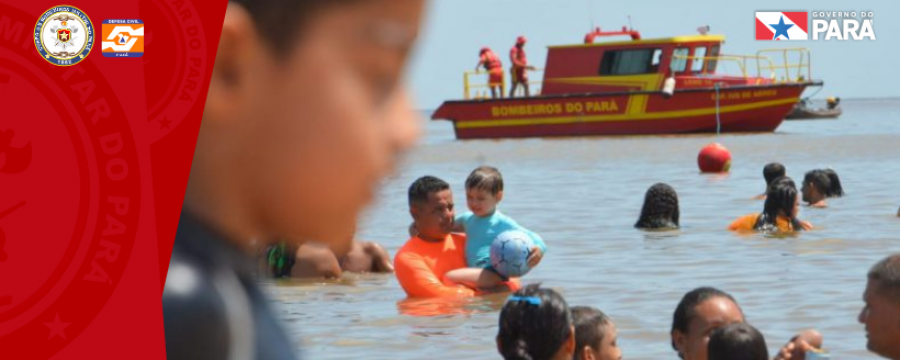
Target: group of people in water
{"points": [[536, 323], [780, 210], [708, 324], [448, 256], [288, 150]]}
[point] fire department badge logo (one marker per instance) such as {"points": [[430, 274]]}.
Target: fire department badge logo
{"points": [[64, 35]]}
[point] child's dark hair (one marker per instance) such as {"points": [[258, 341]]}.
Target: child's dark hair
{"points": [[780, 200], [534, 324], [280, 21], [590, 326], [660, 208], [424, 186], [836, 190], [773, 171], [819, 179], [687, 309], [486, 178], [737, 342]]}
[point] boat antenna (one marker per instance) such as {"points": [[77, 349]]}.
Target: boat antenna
{"points": [[590, 14], [630, 27]]}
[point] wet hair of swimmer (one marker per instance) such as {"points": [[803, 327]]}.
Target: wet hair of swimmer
{"points": [[535, 323], [687, 308], [423, 187], [826, 181], [660, 208], [279, 21], [737, 342], [773, 171], [590, 326], [780, 200], [836, 190]]}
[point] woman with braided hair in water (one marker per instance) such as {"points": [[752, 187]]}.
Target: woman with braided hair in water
{"points": [[660, 209]]}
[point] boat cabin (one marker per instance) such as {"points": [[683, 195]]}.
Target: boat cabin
{"points": [[639, 65]]}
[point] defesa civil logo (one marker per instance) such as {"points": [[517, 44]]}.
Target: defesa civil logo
{"points": [[123, 38], [826, 25], [64, 35]]}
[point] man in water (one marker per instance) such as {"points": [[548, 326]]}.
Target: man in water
{"points": [[304, 116], [434, 250], [314, 260], [881, 314]]}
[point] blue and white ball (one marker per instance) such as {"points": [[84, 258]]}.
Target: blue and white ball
{"points": [[509, 253]]}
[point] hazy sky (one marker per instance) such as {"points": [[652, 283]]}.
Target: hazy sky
{"points": [[455, 30]]}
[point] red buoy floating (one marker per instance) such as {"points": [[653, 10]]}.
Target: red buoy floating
{"points": [[714, 158]]}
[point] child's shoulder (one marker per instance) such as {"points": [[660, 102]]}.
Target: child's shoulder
{"points": [[503, 218], [465, 216]]}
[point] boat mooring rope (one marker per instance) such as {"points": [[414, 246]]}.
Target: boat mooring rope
{"points": [[718, 121]]}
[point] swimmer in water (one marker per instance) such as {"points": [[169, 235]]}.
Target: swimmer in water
{"points": [[660, 210], [596, 337], [816, 185], [739, 341], [771, 172], [536, 323], [315, 260], [779, 212], [819, 185]]}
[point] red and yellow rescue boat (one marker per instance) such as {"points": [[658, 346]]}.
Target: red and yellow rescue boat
{"points": [[641, 86]]}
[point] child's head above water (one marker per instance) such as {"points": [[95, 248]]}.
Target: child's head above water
{"points": [[484, 190], [536, 324], [595, 335], [737, 342], [773, 171]]}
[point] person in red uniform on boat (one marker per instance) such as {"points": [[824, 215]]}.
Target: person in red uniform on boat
{"points": [[520, 67], [494, 67]]}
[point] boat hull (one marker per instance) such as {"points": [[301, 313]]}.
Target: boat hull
{"points": [[739, 109], [810, 114]]}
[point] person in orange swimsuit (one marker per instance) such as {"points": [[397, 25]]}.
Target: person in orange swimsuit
{"points": [[491, 63], [779, 212], [420, 265]]}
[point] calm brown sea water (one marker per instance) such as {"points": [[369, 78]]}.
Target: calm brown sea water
{"points": [[584, 194]]}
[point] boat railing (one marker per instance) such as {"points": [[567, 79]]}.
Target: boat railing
{"points": [[744, 63], [795, 64], [475, 88]]}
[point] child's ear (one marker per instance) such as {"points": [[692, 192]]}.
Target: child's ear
{"points": [[499, 195], [570, 342], [587, 353]]}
